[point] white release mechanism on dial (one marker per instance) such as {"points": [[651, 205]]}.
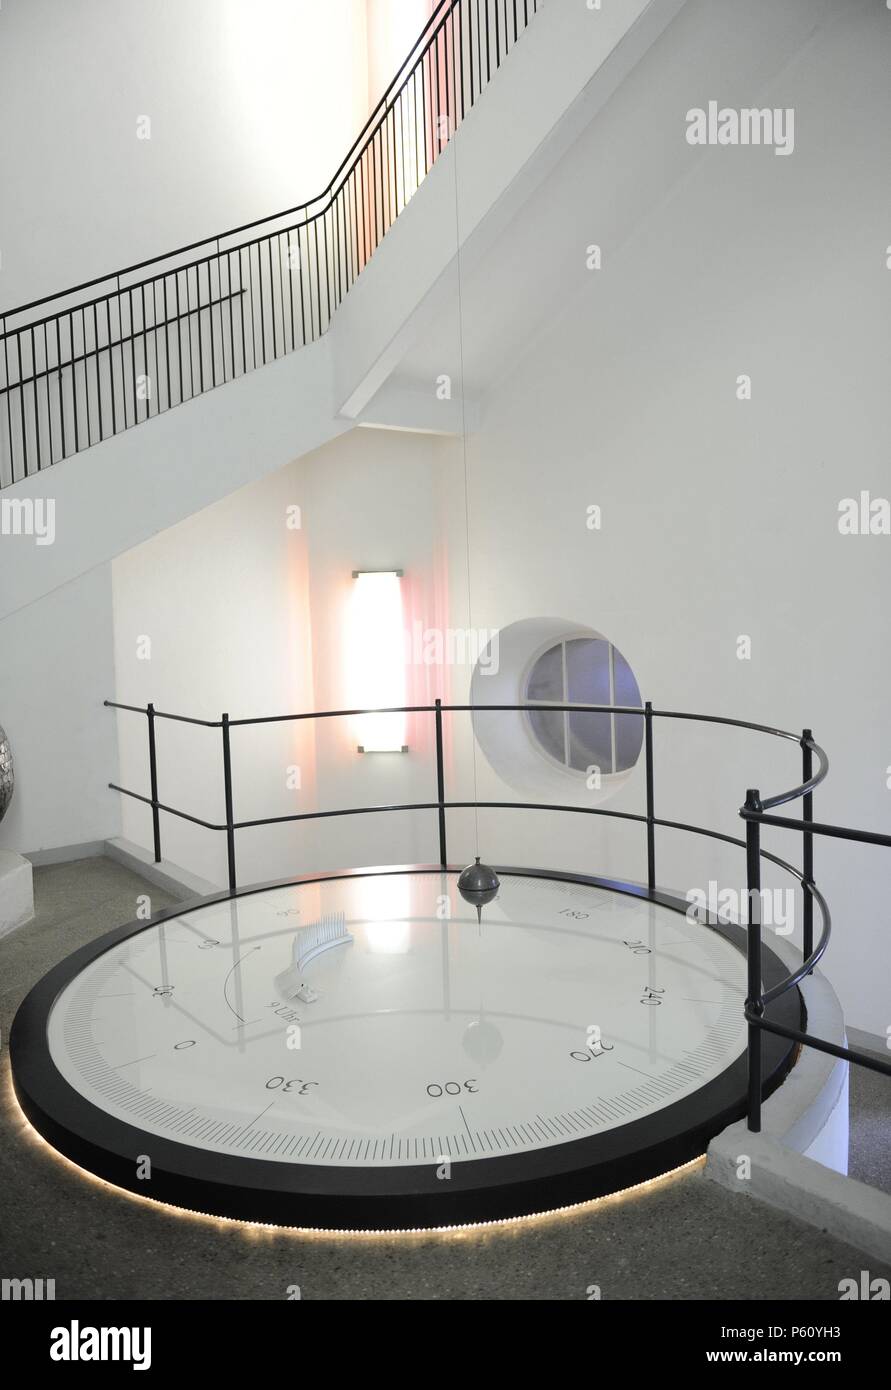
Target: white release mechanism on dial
{"points": [[309, 942]]}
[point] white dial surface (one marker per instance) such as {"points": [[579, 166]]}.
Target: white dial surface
{"points": [[372, 1021]]}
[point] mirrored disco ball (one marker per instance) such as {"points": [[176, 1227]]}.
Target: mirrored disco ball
{"points": [[7, 776]]}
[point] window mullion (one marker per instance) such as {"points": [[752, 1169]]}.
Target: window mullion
{"points": [[612, 700], [566, 757]]}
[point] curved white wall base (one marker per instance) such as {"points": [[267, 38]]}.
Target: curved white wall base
{"points": [[799, 1161], [809, 1112], [182, 883], [16, 891]]}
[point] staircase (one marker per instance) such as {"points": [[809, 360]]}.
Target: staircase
{"points": [[79, 367], [353, 280]]}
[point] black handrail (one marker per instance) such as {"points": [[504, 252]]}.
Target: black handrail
{"points": [[755, 813], [218, 308], [838, 832], [804, 788], [357, 148]]}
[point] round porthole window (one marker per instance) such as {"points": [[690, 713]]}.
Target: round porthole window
{"points": [[568, 754], [585, 671]]}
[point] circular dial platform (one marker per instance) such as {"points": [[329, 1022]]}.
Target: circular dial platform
{"points": [[362, 1051]]}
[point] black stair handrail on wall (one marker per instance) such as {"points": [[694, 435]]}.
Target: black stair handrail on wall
{"points": [[89, 362], [755, 812]]}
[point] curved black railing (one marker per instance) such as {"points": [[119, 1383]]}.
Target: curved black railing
{"points": [[89, 362], [755, 812]]}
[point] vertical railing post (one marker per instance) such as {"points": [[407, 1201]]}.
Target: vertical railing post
{"points": [[153, 774], [753, 957], [440, 786], [227, 784], [651, 824], [807, 854]]}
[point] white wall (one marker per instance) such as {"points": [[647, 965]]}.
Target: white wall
{"points": [[720, 516], [223, 600], [248, 616], [252, 106], [391, 30], [56, 668]]}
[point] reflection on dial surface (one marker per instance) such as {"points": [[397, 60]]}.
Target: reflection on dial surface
{"points": [[371, 1021]]}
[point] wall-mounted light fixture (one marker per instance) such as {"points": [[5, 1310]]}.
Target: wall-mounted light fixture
{"points": [[377, 659]]}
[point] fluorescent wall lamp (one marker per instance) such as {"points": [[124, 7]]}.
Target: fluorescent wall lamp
{"points": [[377, 659]]}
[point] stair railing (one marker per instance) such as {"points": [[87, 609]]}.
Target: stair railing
{"points": [[83, 365]]}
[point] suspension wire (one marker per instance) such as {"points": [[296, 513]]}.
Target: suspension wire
{"points": [[454, 145]]}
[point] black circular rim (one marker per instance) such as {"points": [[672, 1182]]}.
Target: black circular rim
{"points": [[311, 1196]]}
